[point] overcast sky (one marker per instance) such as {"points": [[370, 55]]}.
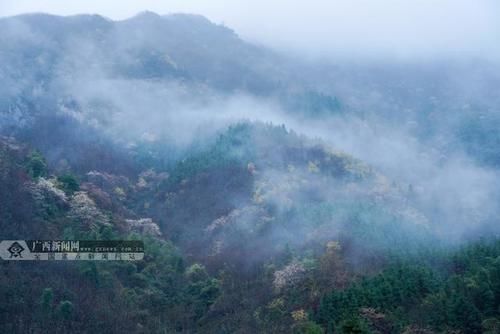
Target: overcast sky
{"points": [[381, 28]]}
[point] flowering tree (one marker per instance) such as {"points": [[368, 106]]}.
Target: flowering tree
{"points": [[84, 210]]}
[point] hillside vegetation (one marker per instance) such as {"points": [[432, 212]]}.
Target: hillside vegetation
{"points": [[272, 195]]}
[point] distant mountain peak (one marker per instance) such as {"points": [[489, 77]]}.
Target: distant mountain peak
{"points": [[146, 15]]}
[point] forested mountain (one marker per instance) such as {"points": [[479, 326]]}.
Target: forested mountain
{"points": [[273, 195]]}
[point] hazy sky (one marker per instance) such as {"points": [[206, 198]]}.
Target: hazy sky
{"points": [[403, 28]]}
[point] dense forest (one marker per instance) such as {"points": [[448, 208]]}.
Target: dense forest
{"points": [[272, 195]]}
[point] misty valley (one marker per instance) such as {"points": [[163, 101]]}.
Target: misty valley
{"points": [[273, 193]]}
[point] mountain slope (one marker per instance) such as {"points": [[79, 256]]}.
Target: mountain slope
{"points": [[165, 129]]}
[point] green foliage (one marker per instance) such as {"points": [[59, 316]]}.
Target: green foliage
{"points": [[308, 327], [353, 325], [491, 326], [68, 183], [47, 299], [314, 104], [480, 136], [36, 164], [65, 309], [233, 147], [461, 297], [196, 273], [406, 287]]}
